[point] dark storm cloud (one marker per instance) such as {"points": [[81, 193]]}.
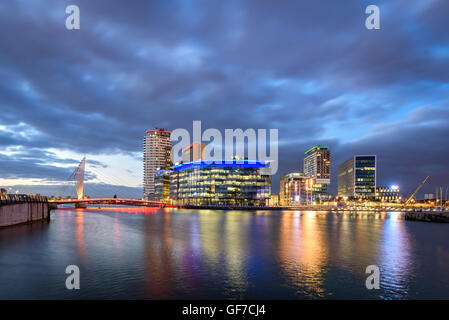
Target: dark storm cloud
{"points": [[409, 150], [40, 164], [25, 166], [309, 68], [96, 164]]}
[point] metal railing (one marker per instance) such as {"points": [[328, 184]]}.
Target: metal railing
{"points": [[21, 198]]}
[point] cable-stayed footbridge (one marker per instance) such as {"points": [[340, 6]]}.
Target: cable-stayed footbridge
{"points": [[82, 201]]}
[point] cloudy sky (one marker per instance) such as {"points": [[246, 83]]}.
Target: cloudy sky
{"points": [[308, 68]]}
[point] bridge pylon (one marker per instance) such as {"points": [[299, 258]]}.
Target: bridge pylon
{"points": [[78, 176]]}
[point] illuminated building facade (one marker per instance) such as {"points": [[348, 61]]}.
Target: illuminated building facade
{"points": [[317, 165], [388, 194], [429, 196], [274, 200], [295, 189], [229, 182], [162, 185], [156, 156], [357, 177]]}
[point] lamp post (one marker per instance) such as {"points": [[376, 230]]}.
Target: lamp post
{"points": [[310, 187], [311, 191]]}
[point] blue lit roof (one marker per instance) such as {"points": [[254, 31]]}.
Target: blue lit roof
{"points": [[163, 171], [221, 163]]}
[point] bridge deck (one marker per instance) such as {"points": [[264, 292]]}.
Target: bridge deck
{"points": [[135, 202]]}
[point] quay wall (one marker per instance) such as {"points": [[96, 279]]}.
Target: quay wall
{"points": [[315, 208], [17, 213], [409, 213], [427, 216]]}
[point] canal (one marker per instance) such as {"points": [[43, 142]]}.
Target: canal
{"points": [[145, 253]]}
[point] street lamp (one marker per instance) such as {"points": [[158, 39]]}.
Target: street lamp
{"points": [[310, 187]]}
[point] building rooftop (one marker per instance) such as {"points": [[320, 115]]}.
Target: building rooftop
{"points": [[222, 163], [294, 175], [316, 147], [163, 171], [159, 130]]}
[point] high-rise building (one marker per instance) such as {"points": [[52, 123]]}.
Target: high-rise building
{"points": [[156, 156], [357, 177], [295, 189], [317, 165], [194, 152]]}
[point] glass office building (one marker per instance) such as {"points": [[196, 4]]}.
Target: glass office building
{"points": [[232, 182], [317, 165], [357, 177], [162, 185]]}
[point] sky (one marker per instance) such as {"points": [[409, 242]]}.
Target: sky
{"points": [[310, 69]]}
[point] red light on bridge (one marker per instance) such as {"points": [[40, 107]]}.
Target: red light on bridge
{"points": [[131, 210]]}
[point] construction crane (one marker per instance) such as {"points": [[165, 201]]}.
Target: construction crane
{"points": [[417, 189]]}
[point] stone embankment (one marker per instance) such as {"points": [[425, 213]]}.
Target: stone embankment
{"points": [[17, 209], [427, 216]]}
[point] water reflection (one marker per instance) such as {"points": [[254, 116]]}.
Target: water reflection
{"points": [[168, 253], [395, 258], [211, 229], [236, 244], [160, 271], [79, 229], [303, 252], [117, 229]]}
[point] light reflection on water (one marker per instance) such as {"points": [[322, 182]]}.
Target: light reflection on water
{"points": [[145, 253]]}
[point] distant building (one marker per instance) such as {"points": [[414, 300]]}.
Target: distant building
{"points": [[156, 156], [295, 189], [388, 194], [274, 200], [3, 194], [357, 177], [194, 152], [317, 165], [220, 183], [429, 196]]}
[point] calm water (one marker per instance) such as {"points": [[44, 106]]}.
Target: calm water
{"points": [[135, 253]]}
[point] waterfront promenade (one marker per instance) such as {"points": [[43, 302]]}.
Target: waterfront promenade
{"points": [[325, 208], [18, 209], [427, 214]]}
